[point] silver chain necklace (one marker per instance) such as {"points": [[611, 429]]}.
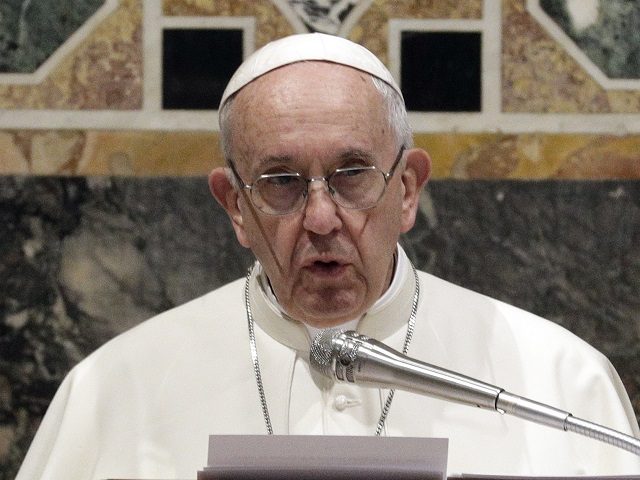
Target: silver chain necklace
{"points": [[256, 361]]}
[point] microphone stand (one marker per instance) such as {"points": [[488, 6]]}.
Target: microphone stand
{"points": [[354, 358]]}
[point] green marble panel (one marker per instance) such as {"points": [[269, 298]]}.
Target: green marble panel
{"points": [[607, 32], [31, 31]]}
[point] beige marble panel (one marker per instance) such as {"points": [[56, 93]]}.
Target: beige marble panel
{"points": [[150, 153], [539, 76], [12, 159], [532, 156], [604, 157], [73, 152], [455, 155], [104, 72], [41, 152]]}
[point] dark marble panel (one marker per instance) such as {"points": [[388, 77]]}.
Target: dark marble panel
{"points": [[31, 31], [435, 64], [607, 32], [197, 65], [82, 259]]}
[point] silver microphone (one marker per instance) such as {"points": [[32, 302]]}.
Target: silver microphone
{"points": [[348, 356]]}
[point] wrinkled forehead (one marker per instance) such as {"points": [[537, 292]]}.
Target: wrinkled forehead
{"points": [[307, 47], [320, 108]]}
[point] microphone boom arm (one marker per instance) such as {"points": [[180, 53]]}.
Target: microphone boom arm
{"points": [[355, 358]]}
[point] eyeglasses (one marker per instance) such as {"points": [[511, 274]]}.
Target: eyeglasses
{"points": [[355, 188]]}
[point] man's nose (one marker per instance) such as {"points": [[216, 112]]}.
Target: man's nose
{"points": [[320, 212]]}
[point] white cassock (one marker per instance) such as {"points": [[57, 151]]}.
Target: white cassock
{"points": [[144, 404]]}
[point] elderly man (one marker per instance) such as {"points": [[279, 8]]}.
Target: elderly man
{"points": [[322, 178]]}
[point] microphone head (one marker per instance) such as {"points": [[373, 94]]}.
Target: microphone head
{"points": [[323, 351]]}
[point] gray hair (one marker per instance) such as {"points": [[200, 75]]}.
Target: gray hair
{"points": [[396, 117], [396, 111]]}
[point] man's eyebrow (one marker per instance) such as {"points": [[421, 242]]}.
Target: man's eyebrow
{"points": [[357, 154], [262, 164], [350, 154]]}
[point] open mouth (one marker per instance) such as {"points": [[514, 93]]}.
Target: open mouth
{"points": [[327, 268]]}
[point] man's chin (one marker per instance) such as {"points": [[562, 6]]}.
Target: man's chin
{"points": [[326, 322], [326, 304], [329, 315]]}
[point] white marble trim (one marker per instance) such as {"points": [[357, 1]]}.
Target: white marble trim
{"points": [[155, 23], [490, 28], [207, 120], [397, 26]]}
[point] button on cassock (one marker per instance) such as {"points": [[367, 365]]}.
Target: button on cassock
{"points": [[342, 402]]}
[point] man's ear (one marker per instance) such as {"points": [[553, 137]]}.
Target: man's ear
{"points": [[228, 197], [414, 177]]}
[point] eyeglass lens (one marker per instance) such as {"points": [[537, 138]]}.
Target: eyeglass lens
{"points": [[355, 188]]}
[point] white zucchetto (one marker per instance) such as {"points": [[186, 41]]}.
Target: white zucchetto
{"points": [[307, 47]]}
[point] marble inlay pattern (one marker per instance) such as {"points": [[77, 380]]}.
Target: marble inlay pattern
{"points": [[455, 155], [607, 32], [82, 259], [270, 23], [324, 16], [540, 77], [105, 72], [76, 152], [26, 36], [534, 156], [372, 29]]}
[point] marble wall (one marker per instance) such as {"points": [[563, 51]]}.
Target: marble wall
{"points": [[106, 218]]}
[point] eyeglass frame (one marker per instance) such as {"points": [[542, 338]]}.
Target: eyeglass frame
{"points": [[386, 175]]}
